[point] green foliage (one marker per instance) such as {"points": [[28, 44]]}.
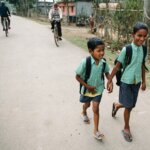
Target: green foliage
{"points": [[125, 18], [133, 4], [75, 0], [14, 1], [23, 5], [116, 45]]}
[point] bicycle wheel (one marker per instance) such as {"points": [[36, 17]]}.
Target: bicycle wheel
{"points": [[56, 38]]}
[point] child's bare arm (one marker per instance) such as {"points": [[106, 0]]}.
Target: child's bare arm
{"points": [[114, 71], [107, 74], [81, 81], [110, 88]]}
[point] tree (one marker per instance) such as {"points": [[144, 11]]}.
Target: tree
{"points": [[96, 15], [147, 11], [147, 20], [125, 18], [23, 6]]}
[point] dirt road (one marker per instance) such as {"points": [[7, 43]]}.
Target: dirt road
{"points": [[39, 106]]}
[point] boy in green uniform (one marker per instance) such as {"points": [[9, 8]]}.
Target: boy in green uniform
{"points": [[92, 89], [133, 76]]}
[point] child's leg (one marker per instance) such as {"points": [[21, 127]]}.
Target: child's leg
{"points": [[118, 106], [96, 115], [85, 107], [115, 108], [127, 112], [126, 132]]}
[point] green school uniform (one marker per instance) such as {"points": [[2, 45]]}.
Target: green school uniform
{"points": [[95, 76], [133, 72]]}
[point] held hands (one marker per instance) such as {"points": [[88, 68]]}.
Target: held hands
{"points": [[143, 86], [109, 86]]}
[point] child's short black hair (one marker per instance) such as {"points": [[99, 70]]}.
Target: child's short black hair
{"points": [[138, 26], [94, 42]]}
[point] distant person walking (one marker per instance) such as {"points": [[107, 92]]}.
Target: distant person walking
{"points": [[133, 76], [92, 87], [92, 23]]}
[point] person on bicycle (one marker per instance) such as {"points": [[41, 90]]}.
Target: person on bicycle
{"points": [[55, 14], [4, 12]]}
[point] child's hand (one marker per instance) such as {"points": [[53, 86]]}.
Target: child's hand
{"points": [[110, 87], [91, 89], [143, 86]]}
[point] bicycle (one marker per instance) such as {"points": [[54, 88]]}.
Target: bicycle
{"points": [[5, 24], [56, 36]]}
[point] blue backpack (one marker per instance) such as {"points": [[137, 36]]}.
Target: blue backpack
{"points": [[128, 58]]}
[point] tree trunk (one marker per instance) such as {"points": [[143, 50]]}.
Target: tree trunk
{"points": [[147, 20], [67, 3], [106, 34]]}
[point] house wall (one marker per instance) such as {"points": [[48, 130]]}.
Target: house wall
{"points": [[72, 10], [84, 8], [77, 8], [44, 7]]}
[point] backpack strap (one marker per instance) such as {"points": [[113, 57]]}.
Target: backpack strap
{"points": [[128, 55], [144, 52], [88, 68], [103, 69], [87, 72], [144, 56]]}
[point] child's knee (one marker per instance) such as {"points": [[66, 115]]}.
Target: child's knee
{"points": [[128, 109], [96, 110], [87, 104]]}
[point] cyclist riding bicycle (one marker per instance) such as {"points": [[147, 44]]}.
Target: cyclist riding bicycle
{"points": [[55, 14], [4, 12]]}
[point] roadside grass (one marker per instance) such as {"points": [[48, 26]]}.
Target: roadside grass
{"points": [[79, 41], [110, 57], [82, 43]]}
